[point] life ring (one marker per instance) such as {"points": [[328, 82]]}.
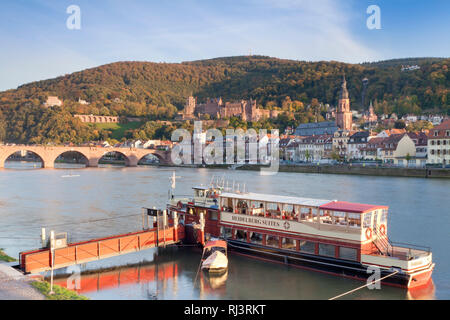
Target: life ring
{"points": [[368, 233], [383, 229]]}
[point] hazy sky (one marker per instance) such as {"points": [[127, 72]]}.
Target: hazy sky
{"points": [[36, 44]]}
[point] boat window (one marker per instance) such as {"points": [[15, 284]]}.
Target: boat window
{"points": [[273, 241], [383, 219], [241, 235], [273, 211], [306, 214], [327, 249], [288, 212], [227, 232], [354, 220], [191, 211], [242, 207], [288, 243], [348, 253], [213, 215], [339, 218], [325, 217], [367, 220], [256, 237], [307, 246]]}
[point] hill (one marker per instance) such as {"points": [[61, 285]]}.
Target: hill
{"points": [[156, 91]]}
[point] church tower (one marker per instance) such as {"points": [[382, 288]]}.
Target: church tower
{"points": [[344, 116]]}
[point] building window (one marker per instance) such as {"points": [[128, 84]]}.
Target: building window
{"points": [[241, 235], [288, 243], [327, 250], [307, 246], [273, 241], [256, 237], [348, 253]]}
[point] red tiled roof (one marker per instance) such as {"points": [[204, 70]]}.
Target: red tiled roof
{"points": [[351, 207], [440, 129]]}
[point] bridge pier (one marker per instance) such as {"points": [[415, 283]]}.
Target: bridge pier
{"points": [[92, 162]]}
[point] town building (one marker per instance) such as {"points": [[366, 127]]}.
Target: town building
{"points": [[420, 140], [398, 149], [340, 143], [356, 143], [316, 129], [439, 144], [315, 148]]}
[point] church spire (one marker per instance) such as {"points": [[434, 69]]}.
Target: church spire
{"points": [[344, 91]]}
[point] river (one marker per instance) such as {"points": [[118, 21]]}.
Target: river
{"points": [[73, 199]]}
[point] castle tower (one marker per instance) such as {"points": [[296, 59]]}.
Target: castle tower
{"points": [[344, 118], [189, 108]]}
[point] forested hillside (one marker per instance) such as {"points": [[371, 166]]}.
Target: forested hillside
{"points": [[156, 91]]}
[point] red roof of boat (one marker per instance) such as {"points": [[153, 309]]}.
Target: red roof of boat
{"points": [[216, 243], [350, 207]]}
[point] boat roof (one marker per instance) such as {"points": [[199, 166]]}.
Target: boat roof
{"points": [[201, 188], [215, 243], [276, 199], [351, 207]]}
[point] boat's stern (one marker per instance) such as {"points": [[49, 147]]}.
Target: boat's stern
{"points": [[414, 265]]}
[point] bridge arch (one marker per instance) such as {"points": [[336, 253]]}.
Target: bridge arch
{"points": [[117, 156], [72, 157], [153, 153], [23, 154]]}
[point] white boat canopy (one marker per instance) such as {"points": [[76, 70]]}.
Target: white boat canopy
{"points": [[261, 197]]}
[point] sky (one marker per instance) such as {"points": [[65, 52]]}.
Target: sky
{"points": [[36, 43]]}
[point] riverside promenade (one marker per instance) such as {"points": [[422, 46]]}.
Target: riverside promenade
{"points": [[15, 286]]}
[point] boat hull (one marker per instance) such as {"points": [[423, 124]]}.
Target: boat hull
{"points": [[328, 265]]}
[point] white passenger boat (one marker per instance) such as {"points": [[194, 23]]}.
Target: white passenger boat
{"points": [[335, 237]]}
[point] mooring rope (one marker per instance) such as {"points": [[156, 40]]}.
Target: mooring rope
{"points": [[373, 282], [198, 269]]}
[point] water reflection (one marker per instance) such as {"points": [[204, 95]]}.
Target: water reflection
{"points": [[172, 272]]}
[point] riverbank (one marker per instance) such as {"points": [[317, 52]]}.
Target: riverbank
{"points": [[338, 169], [59, 293], [15, 286], [4, 257], [360, 170]]}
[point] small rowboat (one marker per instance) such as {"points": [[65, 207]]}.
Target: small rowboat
{"points": [[215, 259]]}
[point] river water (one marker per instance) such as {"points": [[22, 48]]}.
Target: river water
{"points": [[72, 200]]}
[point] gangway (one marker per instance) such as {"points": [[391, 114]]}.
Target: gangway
{"points": [[40, 260]]}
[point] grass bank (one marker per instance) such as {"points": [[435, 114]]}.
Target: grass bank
{"points": [[118, 129], [4, 257], [60, 293]]}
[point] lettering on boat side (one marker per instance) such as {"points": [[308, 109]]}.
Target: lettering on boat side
{"points": [[232, 310], [259, 221]]}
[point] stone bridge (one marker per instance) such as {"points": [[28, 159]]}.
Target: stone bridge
{"points": [[48, 154]]}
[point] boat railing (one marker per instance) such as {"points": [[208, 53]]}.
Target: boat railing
{"points": [[413, 247]]}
